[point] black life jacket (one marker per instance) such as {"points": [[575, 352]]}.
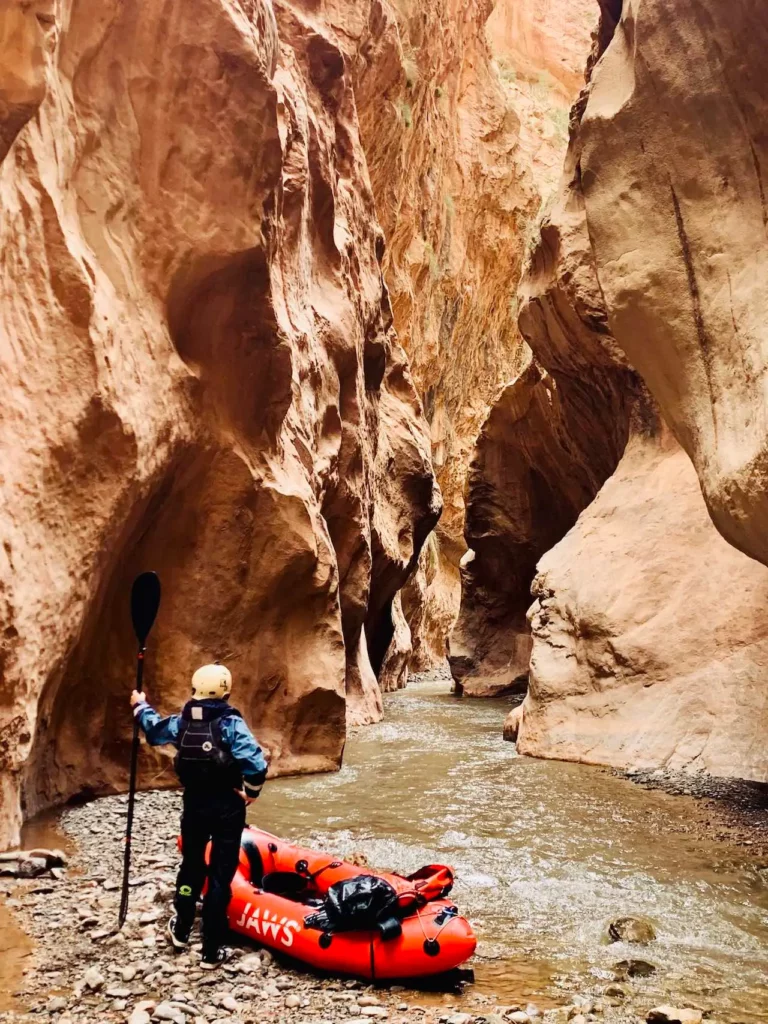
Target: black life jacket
{"points": [[204, 761]]}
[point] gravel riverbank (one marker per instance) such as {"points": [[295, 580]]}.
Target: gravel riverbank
{"points": [[731, 810]]}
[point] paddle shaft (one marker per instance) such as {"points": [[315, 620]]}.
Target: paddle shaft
{"points": [[131, 794]]}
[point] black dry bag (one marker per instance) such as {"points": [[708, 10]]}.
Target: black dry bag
{"points": [[362, 903]]}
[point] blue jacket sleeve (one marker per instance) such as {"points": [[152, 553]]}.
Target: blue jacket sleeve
{"points": [[247, 752], [159, 731]]}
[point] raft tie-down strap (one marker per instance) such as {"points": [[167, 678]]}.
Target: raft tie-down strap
{"points": [[433, 940]]}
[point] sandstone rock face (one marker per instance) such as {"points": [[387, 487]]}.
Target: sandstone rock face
{"points": [[674, 166], [650, 632], [450, 149], [552, 438], [200, 377], [540, 48], [545, 37]]}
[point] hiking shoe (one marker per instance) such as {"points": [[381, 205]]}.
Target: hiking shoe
{"points": [[213, 960], [178, 939]]}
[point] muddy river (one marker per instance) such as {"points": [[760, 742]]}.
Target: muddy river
{"points": [[546, 853]]}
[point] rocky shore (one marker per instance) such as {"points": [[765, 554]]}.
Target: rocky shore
{"points": [[81, 971], [732, 810]]}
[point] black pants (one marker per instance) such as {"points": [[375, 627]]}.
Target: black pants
{"points": [[219, 818]]}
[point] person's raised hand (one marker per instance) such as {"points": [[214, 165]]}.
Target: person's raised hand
{"points": [[137, 698], [246, 799]]}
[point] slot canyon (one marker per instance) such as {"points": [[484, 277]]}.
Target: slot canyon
{"points": [[400, 339]]}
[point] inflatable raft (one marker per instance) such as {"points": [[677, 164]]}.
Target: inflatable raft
{"points": [[282, 895]]}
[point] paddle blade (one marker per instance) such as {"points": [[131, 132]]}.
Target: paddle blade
{"points": [[145, 600]]}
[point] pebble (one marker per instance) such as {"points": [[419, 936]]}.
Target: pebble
{"points": [[364, 1000], [460, 1018], [519, 1017], [56, 1004], [377, 1011], [118, 993], [167, 1011], [250, 964], [292, 1001], [138, 1017], [93, 979]]}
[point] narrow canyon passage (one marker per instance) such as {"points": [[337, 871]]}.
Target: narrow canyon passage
{"points": [[547, 854], [391, 335]]}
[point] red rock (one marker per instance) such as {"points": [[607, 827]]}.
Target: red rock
{"points": [[200, 376]]}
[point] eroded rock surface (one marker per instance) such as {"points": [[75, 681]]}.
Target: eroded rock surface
{"points": [[552, 438], [200, 377], [674, 169], [451, 147], [650, 632]]}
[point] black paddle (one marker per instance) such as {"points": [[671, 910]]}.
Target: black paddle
{"points": [[145, 600]]}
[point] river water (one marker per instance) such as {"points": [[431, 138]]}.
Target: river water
{"points": [[546, 854]]}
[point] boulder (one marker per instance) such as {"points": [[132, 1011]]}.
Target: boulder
{"points": [[631, 929], [650, 632], [512, 723]]}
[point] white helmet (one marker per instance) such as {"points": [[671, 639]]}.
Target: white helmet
{"points": [[211, 681]]}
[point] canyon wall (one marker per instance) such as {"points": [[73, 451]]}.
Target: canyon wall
{"points": [[452, 146], [649, 633], [554, 435], [674, 165], [201, 377]]}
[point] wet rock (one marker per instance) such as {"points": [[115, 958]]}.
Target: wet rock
{"points": [[358, 858], [378, 1012], [634, 969], [674, 1015], [56, 1004], [631, 929], [460, 1018], [617, 992], [368, 1000], [518, 1017]]}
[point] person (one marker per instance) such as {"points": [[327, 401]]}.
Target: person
{"points": [[222, 769]]}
